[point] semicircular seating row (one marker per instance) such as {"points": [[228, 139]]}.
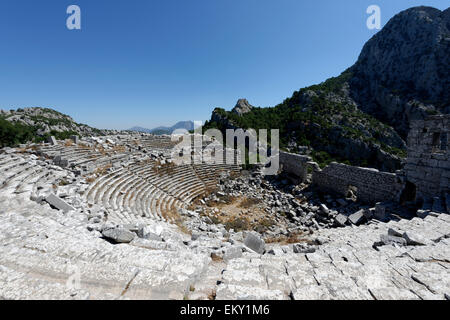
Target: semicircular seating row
{"points": [[157, 143], [23, 174], [78, 156], [143, 191]]}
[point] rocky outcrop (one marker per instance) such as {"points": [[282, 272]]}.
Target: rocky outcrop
{"points": [[402, 73], [327, 122], [46, 120], [242, 107]]}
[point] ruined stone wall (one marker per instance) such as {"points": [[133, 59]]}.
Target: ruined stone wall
{"points": [[372, 185], [294, 164], [428, 162]]}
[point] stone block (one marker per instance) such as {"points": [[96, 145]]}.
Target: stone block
{"points": [[369, 213], [118, 235], [255, 243], [324, 209], [75, 139], [57, 160], [388, 240], [52, 141], [58, 203], [414, 239], [422, 213], [357, 217], [380, 212], [437, 205], [340, 220], [64, 163], [148, 234], [394, 233], [232, 253]]}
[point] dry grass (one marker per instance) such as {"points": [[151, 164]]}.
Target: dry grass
{"points": [[99, 148], [238, 224], [118, 148], [247, 203], [161, 169], [63, 182], [103, 170], [238, 213], [171, 214], [68, 143], [90, 179], [84, 146], [216, 258], [212, 295], [234, 175], [180, 224], [263, 225]]}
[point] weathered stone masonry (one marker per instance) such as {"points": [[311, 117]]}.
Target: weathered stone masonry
{"points": [[372, 185], [427, 168], [428, 163], [295, 164]]}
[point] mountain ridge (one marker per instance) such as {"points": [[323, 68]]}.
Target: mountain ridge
{"points": [[188, 125], [403, 71], [354, 118]]}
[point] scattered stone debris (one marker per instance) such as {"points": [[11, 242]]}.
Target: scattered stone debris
{"points": [[218, 229], [303, 248], [394, 237]]}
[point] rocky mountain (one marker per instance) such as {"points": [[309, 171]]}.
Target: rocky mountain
{"points": [[188, 125], [403, 72], [36, 124], [242, 107], [362, 116]]}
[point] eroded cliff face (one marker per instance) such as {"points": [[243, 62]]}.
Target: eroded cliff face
{"points": [[403, 72]]}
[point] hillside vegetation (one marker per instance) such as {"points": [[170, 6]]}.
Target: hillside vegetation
{"points": [[324, 118], [37, 124]]}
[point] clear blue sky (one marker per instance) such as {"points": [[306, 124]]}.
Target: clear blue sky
{"points": [[154, 62]]}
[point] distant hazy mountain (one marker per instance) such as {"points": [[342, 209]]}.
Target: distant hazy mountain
{"points": [[188, 125]]}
